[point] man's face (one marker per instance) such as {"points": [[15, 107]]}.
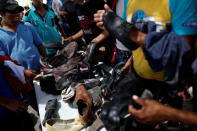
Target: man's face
{"points": [[12, 18], [37, 3]]}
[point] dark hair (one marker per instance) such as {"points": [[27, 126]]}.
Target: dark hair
{"points": [[2, 12]]}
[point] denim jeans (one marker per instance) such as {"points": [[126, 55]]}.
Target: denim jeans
{"points": [[122, 56]]}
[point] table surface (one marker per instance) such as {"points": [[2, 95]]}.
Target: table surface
{"points": [[65, 111]]}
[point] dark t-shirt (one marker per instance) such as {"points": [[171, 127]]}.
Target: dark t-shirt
{"points": [[85, 14], [72, 20]]}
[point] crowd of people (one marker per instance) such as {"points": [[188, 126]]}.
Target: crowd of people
{"points": [[154, 39]]}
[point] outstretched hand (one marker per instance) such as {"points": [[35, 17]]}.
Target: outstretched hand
{"points": [[16, 105], [98, 17], [68, 39], [151, 111], [127, 68], [30, 73]]}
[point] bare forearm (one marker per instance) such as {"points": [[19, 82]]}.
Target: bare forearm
{"points": [[59, 27], [42, 51], [137, 37], [3, 101], [61, 30], [101, 37], [77, 35], [176, 115]]}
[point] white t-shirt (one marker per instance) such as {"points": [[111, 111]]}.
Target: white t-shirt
{"points": [[119, 12], [56, 5]]}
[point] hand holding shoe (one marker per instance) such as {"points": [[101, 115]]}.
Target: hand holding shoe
{"points": [[15, 105], [30, 73], [112, 112], [149, 113], [98, 17], [119, 29], [68, 39]]}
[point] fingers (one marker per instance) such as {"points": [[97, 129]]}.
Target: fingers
{"points": [[132, 110], [18, 106], [33, 73], [123, 68], [30, 73], [138, 100], [68, 39], [136, 114], [107, 8], [99, 24], [98, 17]]}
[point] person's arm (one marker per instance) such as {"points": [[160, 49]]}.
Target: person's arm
{"points": [[186, 117], [12, 104], [59, 27], [128, 66], [74, 37], [154, 112], [101, 37], [98, 16], [41, 50], [30, 73], [37, 41]]}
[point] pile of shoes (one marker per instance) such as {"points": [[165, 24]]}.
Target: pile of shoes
{"points": [[101, 93]]}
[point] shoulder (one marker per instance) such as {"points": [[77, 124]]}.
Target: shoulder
{"points": [[27, 25], [3, 32], [178, 5], [184, 16], [48, 9], [27, 13]]}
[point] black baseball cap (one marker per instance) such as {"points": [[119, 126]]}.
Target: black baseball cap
{"points": [[11, 6]]}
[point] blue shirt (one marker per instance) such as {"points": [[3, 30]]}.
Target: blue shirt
{"points": [[6, 92], [45, 27], [22, 45], [184, 16]]}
